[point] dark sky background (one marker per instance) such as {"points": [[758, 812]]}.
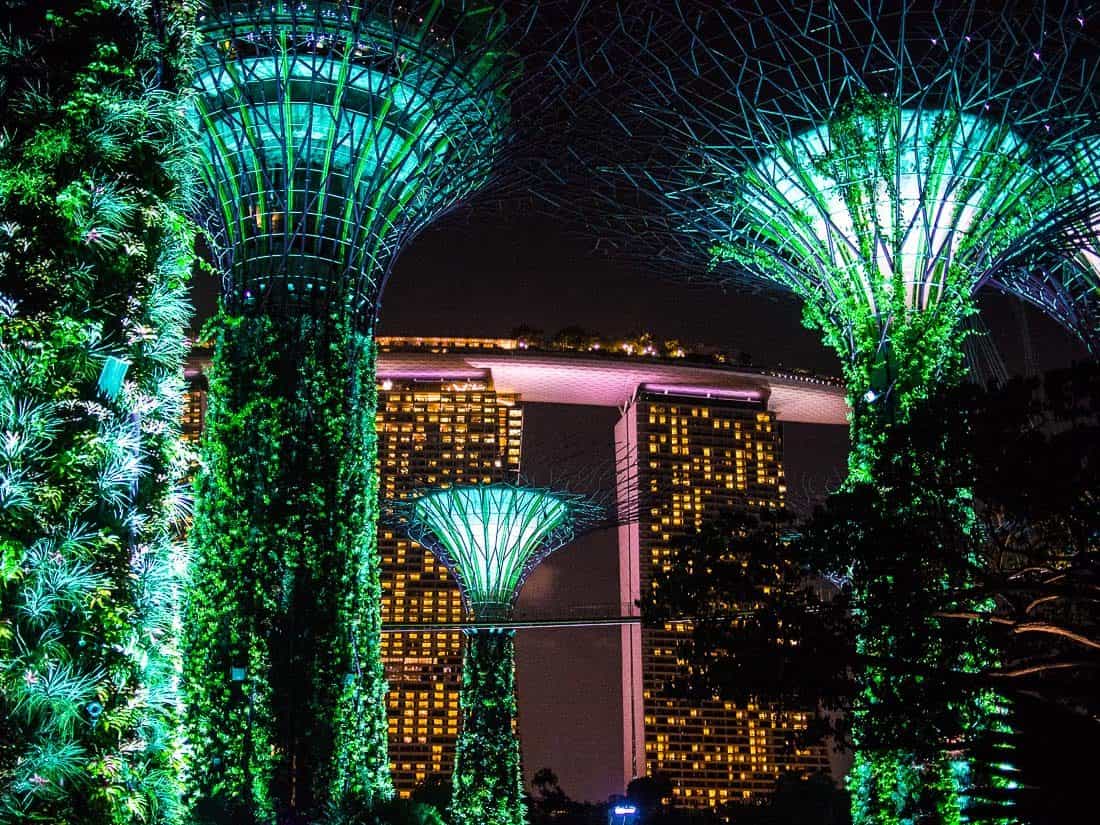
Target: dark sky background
{"points": [[484, 274]]}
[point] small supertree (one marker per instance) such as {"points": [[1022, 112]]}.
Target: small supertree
{"points": [[490, 537], [95, 257], [333, 133], [880, 162]]}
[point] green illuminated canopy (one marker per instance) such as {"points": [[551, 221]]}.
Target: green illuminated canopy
{"points": [[880, 161], [333, 132], [885, 209], [492, 536]]}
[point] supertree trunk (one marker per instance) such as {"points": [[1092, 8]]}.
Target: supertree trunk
{"points": [[488, 787], [332, 134], [287, 690]]}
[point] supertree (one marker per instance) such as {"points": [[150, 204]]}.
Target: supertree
{"points": [[333, 132], [490, 537], [96, 173], [880, 163]]}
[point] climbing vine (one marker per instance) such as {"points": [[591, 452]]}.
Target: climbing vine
{"points": [[488, 786], [285, 689], [95, 256]]}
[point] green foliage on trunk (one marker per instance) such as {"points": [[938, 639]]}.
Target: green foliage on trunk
{"points": [[95, 256], [923, 716], [488, 787], [285, 689]]}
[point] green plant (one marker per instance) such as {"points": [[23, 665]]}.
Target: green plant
{"points": [[488, 787], [285, 690], [95, 255]]}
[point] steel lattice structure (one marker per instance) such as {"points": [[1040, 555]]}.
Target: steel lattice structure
{"points": [[879, 163], [1063, 280], [491, 536], [332, 132]]}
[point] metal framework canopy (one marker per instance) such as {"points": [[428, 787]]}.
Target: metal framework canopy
{"points": [[491, 536], [334, 131], [1063, 279], [879, 161]]}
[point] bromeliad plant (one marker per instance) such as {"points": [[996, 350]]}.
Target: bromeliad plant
{"points": [[95, 255]]}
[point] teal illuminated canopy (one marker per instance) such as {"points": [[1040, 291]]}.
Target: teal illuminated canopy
{"points": [[885, 208], [492, 536], [333, 132]]}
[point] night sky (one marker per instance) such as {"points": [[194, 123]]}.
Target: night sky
{"points": [[485, 273]]}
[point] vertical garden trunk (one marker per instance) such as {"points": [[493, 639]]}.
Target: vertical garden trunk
{"points": [[922, 725], [285, 684], [488, 787]]}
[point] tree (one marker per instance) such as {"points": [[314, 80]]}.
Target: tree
{"points": [[528, 336], [798, 800], [573, 337], [389, 812], [435, 790], [649, 793], [95, 257], [759, 626]]}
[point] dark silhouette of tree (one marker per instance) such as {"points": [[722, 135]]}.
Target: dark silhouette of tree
{"points": [[435, 790], [573, 337], [531, 336], [762, 625], [968, 571], [649, 793], [798, 800]]}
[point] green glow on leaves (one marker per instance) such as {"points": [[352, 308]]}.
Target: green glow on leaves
{"points": [[491, 537], [883, 221], [285, 582], [95, 256], [488, 786], [880, 204]]}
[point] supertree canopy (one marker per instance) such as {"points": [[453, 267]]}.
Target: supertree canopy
{"points": [[333, 132], [491, 537], [880, 162], [877, 163]]}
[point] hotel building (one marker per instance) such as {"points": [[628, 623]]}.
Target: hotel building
{"points": [[433, 427], [692, 453]]}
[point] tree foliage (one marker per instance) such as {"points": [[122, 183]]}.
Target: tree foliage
{"points": [[95, 255], [967, 581]]}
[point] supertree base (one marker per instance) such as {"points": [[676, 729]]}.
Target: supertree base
{"points": [[286, 693], [488, 787]]}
